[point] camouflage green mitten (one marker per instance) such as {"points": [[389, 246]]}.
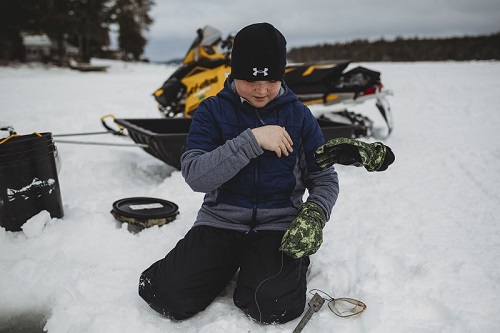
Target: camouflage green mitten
{"points": [[373, 156], [305, 234]]}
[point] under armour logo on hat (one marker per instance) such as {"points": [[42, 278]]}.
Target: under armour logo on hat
{"points": [[262, 71], [258, 53]]}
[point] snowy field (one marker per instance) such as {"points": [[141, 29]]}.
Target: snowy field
{"points": [[419, 243]]}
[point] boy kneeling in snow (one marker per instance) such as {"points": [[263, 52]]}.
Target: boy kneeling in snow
{"points": [[251, 149]]}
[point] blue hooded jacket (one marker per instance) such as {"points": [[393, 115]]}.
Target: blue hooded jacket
{"points": [[248, 188]]}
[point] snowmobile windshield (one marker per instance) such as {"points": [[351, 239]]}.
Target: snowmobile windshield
{"points": [[211, 36]]}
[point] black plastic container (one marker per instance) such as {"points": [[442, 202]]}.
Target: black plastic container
{"points": [[28, 180], [144, 212], [166, 137]]}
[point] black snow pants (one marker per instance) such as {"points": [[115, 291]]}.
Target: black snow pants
{"points": [[270, 287]]}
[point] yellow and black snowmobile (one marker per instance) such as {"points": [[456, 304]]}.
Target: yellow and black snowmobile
{"points": [[326, 87]]}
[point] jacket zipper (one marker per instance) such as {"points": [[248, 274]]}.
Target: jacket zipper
{"points": [[256, 181]]}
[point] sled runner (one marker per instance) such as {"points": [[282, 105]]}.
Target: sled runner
{"points": [[326, 83]]}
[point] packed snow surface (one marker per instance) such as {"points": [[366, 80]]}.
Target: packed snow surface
{"points": [[419, 244]]}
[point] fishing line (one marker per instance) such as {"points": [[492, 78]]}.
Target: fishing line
{"points": [[260, 284]]}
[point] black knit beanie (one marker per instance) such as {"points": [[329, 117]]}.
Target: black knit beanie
{"points": [[259, 53]]}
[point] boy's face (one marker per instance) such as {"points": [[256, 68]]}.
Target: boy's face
{"points": [[257, 93]]}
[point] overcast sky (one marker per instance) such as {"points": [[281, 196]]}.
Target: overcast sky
{"points": [[312, 22]]}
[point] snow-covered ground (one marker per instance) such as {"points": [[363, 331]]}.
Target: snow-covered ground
{"points": [[419, 243]]}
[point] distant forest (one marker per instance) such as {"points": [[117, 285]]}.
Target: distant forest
{"points": [[486, 47]]}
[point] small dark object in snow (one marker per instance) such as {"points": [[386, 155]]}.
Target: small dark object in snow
{"points": [[144, 212]]}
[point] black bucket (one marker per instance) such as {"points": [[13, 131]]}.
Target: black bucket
{"points": [[28, 180]]}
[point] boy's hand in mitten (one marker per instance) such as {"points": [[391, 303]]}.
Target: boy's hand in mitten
{"points": [[373, 156], [305, 234]]}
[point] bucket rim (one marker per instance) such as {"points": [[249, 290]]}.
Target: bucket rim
{"points": [[21, 139]]}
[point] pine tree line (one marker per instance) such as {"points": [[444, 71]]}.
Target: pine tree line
{"points": [[486, 47], [85, 24]]}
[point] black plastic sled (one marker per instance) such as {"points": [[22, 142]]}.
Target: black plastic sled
{"points": [[166, 137]]}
